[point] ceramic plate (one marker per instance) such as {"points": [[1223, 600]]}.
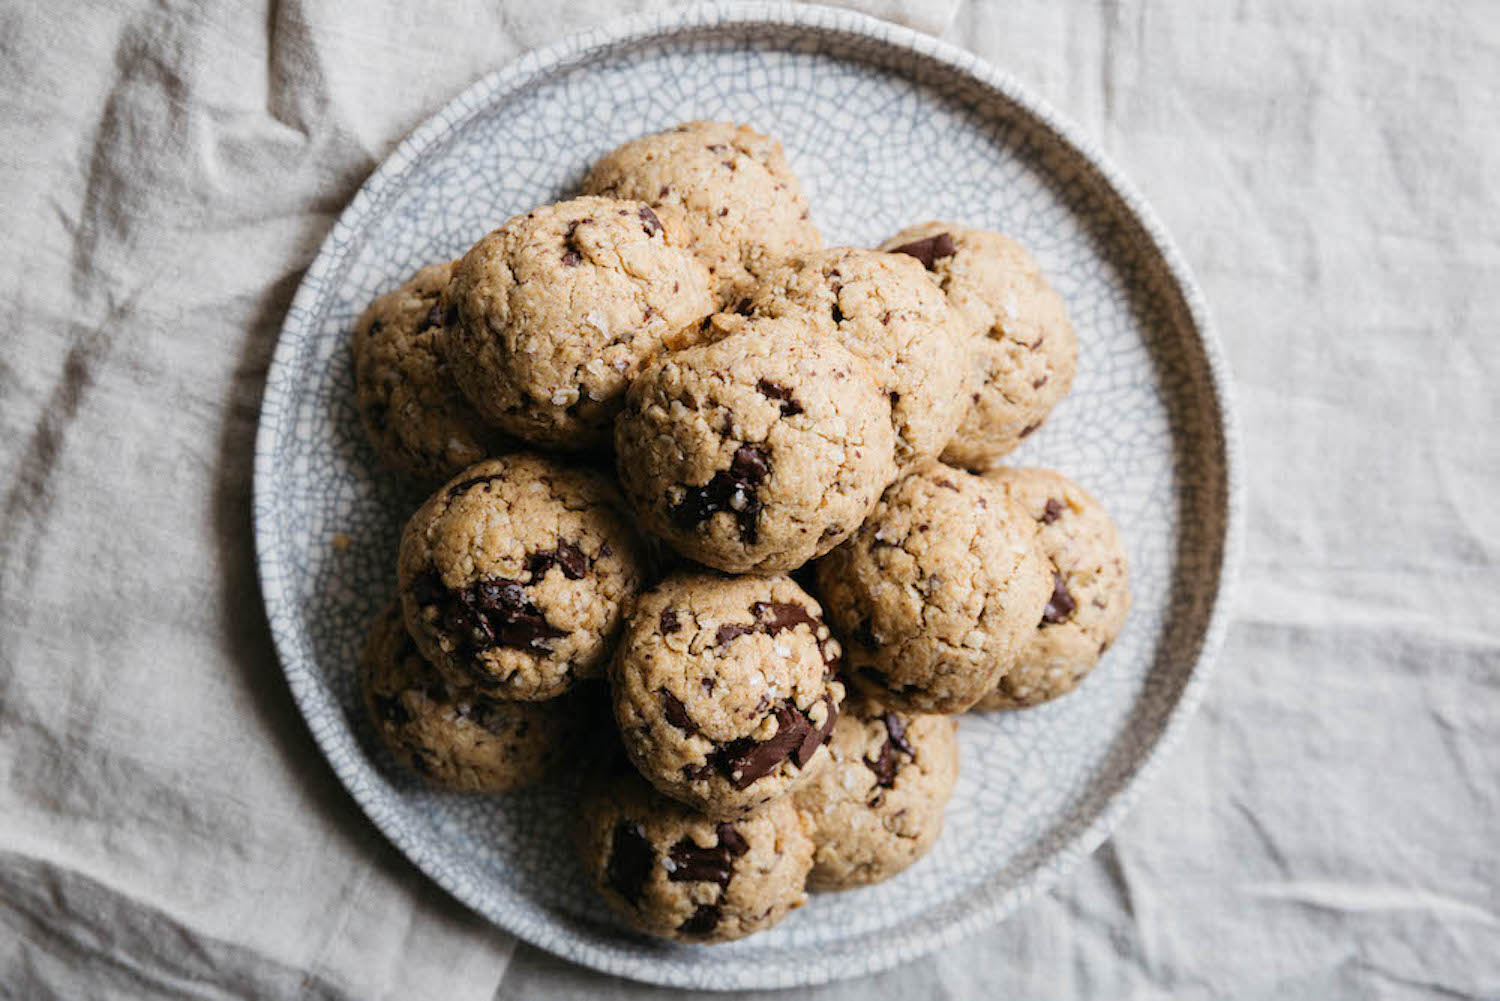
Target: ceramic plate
{"points": [[885, 127]]}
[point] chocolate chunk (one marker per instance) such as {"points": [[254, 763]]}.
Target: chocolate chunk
{"points": [[649, 222], [669, 622], [391, 710], [451, 316], [572, 252], [1028, 429], [744, 761], [884, 766], [567, 557], [731, 490], [434, 316], [462, 486], [946, 484], [1052, 511], [702, 921], [743, 307], [1061, 604], [732, 631], [895, 732], [929, 250], [837, 314], [1039, 382], [676, 712], [816, 736], [769, 389], [487, 613], [630, 858], [778, 617], [689, 863], [707, 683], [732, 840]]}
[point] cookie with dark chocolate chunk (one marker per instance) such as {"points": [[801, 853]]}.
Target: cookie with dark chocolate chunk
{"points": [[724, 689]]}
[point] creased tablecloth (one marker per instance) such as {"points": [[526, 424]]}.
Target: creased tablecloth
{"points": [[1329, 827]]}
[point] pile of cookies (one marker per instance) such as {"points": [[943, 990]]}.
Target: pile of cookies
{"points": [[668, 417]]}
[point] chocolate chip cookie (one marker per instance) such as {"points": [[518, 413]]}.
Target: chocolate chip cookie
{"points": [[883, 308], [724, 689], [1090, 596], [549, 317], [515, 576], [937, 592], [877, 806], [456, 738], [1024, 346], [412, 411], [674, 873], [742, 206], [757, 451]]}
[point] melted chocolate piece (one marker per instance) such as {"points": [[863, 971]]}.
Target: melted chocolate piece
{"points": [[669, 622], [895, 732], [462, 486], [732, 631], [731, 490], [649, 222], [1028, 429], [884, 766], [929, 250], [1052, 511], [688, 863], [769, 389], [573, 254], [676, 712], [1061, 604], [487, 613], [837, 314], [702, 921], [630, 858], [744, 761], [567, 557]]}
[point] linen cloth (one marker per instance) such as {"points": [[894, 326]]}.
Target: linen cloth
{"points": [[1328, 826]]}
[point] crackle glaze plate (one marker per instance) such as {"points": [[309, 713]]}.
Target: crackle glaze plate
{"points": [[885, 127]]}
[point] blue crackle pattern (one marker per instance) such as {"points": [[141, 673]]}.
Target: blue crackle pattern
{"points": [[886, 128]]}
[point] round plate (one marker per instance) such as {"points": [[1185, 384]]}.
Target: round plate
{"points": [[886, 127]]}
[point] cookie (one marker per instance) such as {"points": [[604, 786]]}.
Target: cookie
{"points": [[456, 738], [877, 806], [1090, 596], [549, 317], [1025, 350], [937, 592], [674, 873], [418, 421], [724, 689], [883, 308], [742, 207], [515, 576], [758, 451]]}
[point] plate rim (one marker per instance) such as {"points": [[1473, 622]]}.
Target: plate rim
{"points": [[997, 901]]}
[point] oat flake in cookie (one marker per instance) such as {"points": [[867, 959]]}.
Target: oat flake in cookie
{"points": [[516, 574], [724, 689], [937, 592], [549, 317], [883, 308], [414, 414], [1090, 596], [758, 451], [1025, 349], [877, 806], [742, 207], [674, 873], [456, 738]]}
